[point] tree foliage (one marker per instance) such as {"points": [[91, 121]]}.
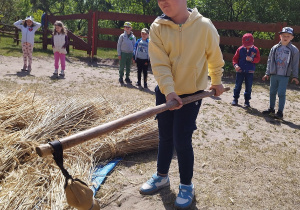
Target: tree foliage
{"points": [[260, 11]]}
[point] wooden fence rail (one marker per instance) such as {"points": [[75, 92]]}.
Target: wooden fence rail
{"points": [[93, 42]]}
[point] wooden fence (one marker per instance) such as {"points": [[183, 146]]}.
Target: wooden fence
{"points": [[93, 42]]}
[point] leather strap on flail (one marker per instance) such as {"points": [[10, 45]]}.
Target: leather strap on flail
{"points": [[58, 157], [78, 194]]}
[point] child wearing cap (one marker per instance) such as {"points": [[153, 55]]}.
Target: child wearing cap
{"points": [[141, 56], [125, 47], [28, 28], [244, 60], [283, 62], [180, 64]]}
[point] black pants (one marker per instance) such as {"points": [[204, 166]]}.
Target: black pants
{"points": [[142, 65], [175, 131]]}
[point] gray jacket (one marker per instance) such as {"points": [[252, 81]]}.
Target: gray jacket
{"points": [[293, 64], [125, 43]]}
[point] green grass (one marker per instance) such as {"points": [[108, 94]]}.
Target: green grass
{"points": [[10, 48]]}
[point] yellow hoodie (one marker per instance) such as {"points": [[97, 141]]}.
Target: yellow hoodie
{"points": [[182, 56]]}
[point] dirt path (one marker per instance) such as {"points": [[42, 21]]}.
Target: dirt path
{"points": [[243, 160]]}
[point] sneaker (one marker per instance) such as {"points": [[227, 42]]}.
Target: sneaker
{"points": [[279, 115], [185, 196], [29, 69], [154, 184], [55, 72], [62, 73], [234, 102], [121, 80], [127, 80], [145, 85], [24, 68], [269, 111], [138, 84], [247, 104]]}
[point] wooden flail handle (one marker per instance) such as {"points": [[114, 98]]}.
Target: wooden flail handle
{"points": [[83, 136]]}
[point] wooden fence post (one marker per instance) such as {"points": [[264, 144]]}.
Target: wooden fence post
{"points": [[95, 34], [17, 34], [278, 28], [90, 30], [45, 33]]}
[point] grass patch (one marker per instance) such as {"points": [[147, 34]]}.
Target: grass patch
{"points": [[10, 48]]}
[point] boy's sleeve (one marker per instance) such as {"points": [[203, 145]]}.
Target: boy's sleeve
{"points": [[135, 48], [119, 45], [18, 24], [160, 62], [269, 62], [214, 55], [295, 64], [235, 59], [256, 58]]}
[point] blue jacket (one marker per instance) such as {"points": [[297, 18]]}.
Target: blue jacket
{"points": [[240, 58], [135, 50]]}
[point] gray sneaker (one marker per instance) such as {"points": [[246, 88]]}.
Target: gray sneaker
{"points": [[234, 102]]}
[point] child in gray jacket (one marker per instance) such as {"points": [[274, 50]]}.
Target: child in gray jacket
{"points": [[283, 62], [125, 47]]}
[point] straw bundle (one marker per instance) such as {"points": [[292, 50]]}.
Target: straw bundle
{"points": [[27, 120], [136, 138]]}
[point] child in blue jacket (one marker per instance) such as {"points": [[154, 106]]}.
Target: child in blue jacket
{"points": [[244, 62], [141, 56]]}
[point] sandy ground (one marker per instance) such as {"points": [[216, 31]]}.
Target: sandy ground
{"points": [[243, 159]]}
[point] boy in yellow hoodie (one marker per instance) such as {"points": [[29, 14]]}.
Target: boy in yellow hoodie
{"points": [[184, 49]]}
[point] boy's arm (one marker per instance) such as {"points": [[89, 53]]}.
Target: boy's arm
{"points": [[160, 62], [119, 45], [295, 64], [269, 62], [135, 48], [235, 59], [256, 58]]}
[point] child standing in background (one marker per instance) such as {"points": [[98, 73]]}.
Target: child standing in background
{"points": [[283, 62], [244, 62], [141, 56], [59, 44], [28, 28], [125, 47]]}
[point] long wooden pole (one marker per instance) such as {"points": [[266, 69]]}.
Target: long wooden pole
{"points": [[83, 136]]}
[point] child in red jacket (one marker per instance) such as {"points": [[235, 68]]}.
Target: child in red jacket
{"points": [[244, 62]]}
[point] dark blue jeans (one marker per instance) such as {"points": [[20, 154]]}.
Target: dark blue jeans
{"points": [[240, 76], [175, 131]]}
